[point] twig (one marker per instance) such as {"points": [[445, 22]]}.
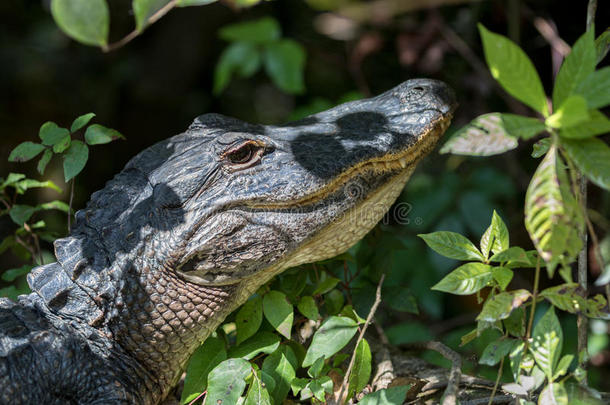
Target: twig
{"points": [[360, 337], [70, 204], [549, 33], [533, 310], [151, 20], [455, 374], [493, 392], [199, 396]]}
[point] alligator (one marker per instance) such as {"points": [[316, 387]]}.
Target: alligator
{"points": [[191, 228]]}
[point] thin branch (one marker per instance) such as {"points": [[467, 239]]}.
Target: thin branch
{"points": [[530, 322], [345, 382], [133, 34], [549, 33], [70, 204], [495, 389]]}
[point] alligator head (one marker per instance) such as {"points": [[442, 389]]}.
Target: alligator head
{"points": [[195, 224]]}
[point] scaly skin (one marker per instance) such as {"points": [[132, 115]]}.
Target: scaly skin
{"points": [[191, 228]]}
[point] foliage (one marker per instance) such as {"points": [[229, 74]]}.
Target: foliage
{"points": [[555, 216], [24, 242]]}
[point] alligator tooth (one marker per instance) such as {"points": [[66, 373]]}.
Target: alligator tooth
{"points": [[403, 162], [388, 165]]}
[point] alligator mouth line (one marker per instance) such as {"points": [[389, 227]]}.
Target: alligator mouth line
{"points": [[403, 161]]}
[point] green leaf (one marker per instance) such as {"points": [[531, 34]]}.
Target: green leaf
{"points": [[279, 368], [597, 124], [576, 67], [554, 394], [307, 306], [572, 112], [592, 157], [262, 342], [97, 134], [25, 151], [563, 366], [495, 351], [511, 67], [298, 384], [7, 242], [81, 121], [333, 335], [499, 231], [514, 255], [333, 302], [602, 45], [11, 179], [249, 318], [242, 58], [51, 134], [278, 312], [452, 245], [547, 342], [226, 382], [21, 213], [387, 396], [12, 274], [466, 279], [75, 159], [257, 393], [85, 21], [541, 147], [54, 205], [484, 136], [285, 62], [316, 368], [501, 305], [44, 161], [260, 31], [144, 9], [596, 88], [361, 371], [26, 184], [570, 297], [515, 323], [552, 215], [522, 127], [326, 284], [187, 3], [205, 358], [503, 276]]}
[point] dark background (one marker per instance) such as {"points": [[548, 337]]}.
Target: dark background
{"points": [[153, 87]]}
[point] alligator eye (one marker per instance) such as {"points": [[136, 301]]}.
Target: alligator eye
{"points": [[245, 155]]}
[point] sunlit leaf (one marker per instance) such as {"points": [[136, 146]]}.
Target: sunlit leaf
{"points": [[511, 67], [257, 393], [85, 21], [484, 136], [452, 245], [501, 305], [503, 276], [576, 67], [333, 335], [572, 111], [552, 215], [278, 367], [554, 394], [278, 312], [522, 127], [597, 124], [466, 279], [226, 382], [596, 88], [97, 134], [388, 396], [547, 342]]}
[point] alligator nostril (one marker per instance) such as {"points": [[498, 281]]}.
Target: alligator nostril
{"points": [[418, 89]]}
